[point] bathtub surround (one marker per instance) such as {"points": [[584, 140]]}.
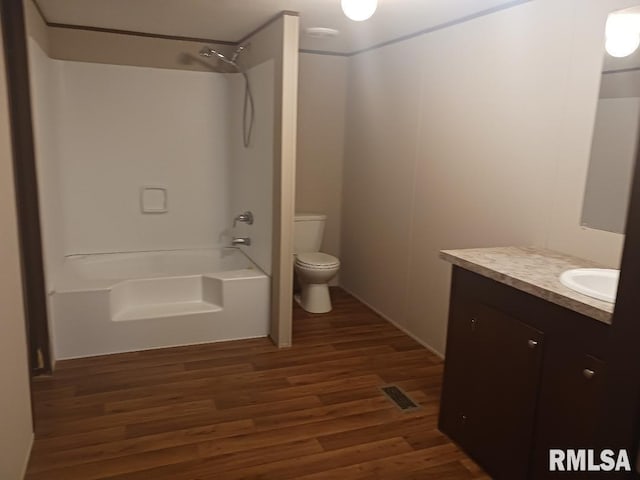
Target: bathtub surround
{"points": [[167, 127], [474, 135], [16, 434], [96, 153], [251, 171], [147, 127]]}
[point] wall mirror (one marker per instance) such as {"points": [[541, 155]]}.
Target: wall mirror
{"points": [[615, 136]]}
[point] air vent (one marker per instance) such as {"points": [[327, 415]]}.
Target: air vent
{"points": [[399, 398]]}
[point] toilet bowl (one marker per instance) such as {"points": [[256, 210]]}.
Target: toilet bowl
{"points": [[314, 271], [313, 268]]}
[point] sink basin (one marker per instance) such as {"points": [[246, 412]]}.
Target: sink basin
{"points": [[600, 283]]}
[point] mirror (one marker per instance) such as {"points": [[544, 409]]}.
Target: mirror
{"points": [[615, 136]]}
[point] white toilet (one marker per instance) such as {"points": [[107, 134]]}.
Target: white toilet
{"points": [[313, 268]]}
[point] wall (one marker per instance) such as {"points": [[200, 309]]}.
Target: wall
{"points": [[321, 130], [37, 29], [67, 92], [580, 102], [45, 89], [278, 41], [146, 127], [45, 93], [91, 166], [16, 434], [474, 135], [121, 49]]}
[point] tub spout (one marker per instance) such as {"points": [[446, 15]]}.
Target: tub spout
{"points": [[246, 241]]}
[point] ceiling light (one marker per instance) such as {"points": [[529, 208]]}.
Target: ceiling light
{"points": [[359, 10], [623, 34], [622, 45]]}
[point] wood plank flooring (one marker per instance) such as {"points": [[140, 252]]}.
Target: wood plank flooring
{"points": [[247, 410]]}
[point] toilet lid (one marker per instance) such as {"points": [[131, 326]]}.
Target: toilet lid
{"points": [[317, 259]]}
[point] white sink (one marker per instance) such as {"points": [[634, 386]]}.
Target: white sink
{"points": [[600, 283]]}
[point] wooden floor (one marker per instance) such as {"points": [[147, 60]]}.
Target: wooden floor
{"points": [[243, 410]]}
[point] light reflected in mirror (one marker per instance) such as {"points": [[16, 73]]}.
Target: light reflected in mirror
{"points": [[615, 136]]}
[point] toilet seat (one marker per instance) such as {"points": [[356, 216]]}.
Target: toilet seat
{"points": [[317, 260]]}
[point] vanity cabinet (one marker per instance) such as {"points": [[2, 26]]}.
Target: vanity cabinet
{"points": [[521, 376]]}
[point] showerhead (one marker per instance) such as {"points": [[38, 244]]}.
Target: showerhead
{"points": [[247, 126], [210, 52]]}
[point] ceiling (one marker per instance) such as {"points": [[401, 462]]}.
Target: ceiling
{"points": [[231, 20]]}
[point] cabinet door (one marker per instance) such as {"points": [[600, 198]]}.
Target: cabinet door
{"points": [[570, 399], [492, 388], [458, 371]]}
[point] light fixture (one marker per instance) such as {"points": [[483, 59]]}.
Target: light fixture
{"points": [[622, 45], [359, 10], [623, 34]]}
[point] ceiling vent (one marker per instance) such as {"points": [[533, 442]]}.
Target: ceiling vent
{"points": [[321, 32]]}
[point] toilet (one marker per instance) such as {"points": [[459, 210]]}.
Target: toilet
{"points": [[313, 268]]}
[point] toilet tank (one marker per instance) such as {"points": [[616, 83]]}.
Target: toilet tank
{"points": [[308, 231]]}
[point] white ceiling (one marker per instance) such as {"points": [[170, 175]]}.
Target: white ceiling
{"points": [[230, 20]]}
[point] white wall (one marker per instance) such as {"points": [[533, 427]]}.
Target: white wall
{"points": [[322, 102], [45, 96], [474, 135], [583, 62], [252, 167], [16, 433], [123, 127], [45, 92]]}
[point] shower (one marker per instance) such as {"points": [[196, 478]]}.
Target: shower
{"points": [[249, 107]]}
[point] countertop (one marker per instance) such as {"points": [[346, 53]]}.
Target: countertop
{"points": [[535, 271]]}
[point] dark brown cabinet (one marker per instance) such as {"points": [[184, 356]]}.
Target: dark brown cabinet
{"points": [[569, 404], [521, 376]]}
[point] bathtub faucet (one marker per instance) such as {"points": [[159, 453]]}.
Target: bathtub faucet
{"points": [[246, 241], [246, 217]]}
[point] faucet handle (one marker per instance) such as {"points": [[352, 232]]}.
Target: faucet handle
{"points": [[246, 217]]}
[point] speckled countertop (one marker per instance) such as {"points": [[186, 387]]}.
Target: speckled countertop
{"points": [[535, 271]]}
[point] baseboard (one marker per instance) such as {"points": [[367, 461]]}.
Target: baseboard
{"points": [[395, 324]]}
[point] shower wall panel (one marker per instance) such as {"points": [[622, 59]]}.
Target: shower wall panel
{"points": [[122, 128], [252, 167]]}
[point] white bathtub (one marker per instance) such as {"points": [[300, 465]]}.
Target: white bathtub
{"points": [[111, 303]]}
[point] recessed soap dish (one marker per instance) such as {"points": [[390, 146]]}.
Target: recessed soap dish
{"points": [[153, 199]]}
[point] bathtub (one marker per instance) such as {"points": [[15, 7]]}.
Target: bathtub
{"points": [[113, 303]]}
